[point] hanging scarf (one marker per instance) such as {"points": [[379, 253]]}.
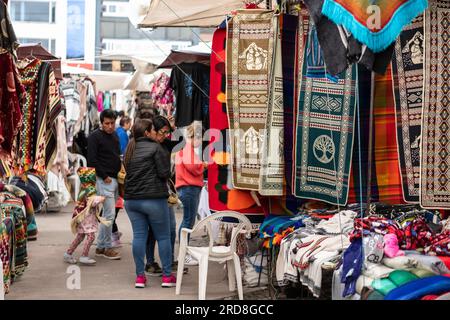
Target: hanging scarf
{"points": [[376, 23]]}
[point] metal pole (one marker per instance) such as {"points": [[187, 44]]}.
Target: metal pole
{"points": [[371, 142]]}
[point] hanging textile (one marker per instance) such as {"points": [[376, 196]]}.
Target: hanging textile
{"points": [[249, 61], [190, 83], [376, 23], [387, 169], [324, 138], [289, 49], [162, 95], [10, 112], [221, 195], [407, 71], [435, 158], [272, 163], [8, 39], [29, 71], [339, 46]]}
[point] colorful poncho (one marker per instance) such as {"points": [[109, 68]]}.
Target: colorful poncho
{"points": [[376, 23]]}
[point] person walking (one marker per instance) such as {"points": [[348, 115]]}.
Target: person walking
{"points": [[147, 165], [122, 133], [189, 181], [104, 156]]}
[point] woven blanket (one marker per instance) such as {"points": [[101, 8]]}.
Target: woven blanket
{"points": [[221, 196], [325, 136], [435, 158], [376, 23], [387, 169], [249, 61], [27, 139], [407, 71], [272, 166], [289, 26]]}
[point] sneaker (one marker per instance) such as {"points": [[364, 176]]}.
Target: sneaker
{"points": [[175, 268], [111, 254], [140, 282], [190, 261], [69, 258], [100, 252], [87, 261], [153, 269], [169, 282]]}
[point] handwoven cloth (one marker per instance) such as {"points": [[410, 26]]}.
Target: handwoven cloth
{"points": [[387, 168], [325, 136], [376, 23], [272, 165], [249, 61], [407, 76], [435, 158]]}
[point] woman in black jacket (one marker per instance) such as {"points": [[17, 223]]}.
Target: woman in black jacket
{"points": [[147, 165]]}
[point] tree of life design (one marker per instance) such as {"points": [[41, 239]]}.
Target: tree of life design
{"points": [[324, 149]]}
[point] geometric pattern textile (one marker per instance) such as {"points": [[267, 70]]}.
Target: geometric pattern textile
{"points": [[435, 157], [407, 76], [324, 141], [272, 165], [250, 37]]}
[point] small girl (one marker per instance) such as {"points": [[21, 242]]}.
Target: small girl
{"points": [[86, 217]]}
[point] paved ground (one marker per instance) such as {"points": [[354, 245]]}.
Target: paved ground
{"points": [[46, 276]]}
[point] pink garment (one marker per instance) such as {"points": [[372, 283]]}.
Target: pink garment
{"points": [[391, 248], [188, 168], [100, 101], [162, 94]]}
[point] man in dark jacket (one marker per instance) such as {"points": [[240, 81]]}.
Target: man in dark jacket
{"points": [[104, 156]]}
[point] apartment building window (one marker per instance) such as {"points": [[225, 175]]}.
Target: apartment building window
{"points": [[33, 11]]}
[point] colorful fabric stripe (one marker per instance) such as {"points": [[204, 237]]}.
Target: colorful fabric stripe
{"points": [[376, 23], [407, 71], [387, 172]]}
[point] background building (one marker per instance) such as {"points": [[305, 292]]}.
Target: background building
{"points": [[67, 28]]}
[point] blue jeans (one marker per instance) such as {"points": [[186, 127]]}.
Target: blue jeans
{"points": [[152, 213], [111, 192], [150, 253], [190, 197]]}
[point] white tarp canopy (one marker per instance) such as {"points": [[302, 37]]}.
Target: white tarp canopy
{"points": [[141, 81], [181, 13], [104, 80]]}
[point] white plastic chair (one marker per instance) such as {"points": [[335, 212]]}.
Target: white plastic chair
{"points": [[214, 252], [74, 180]]}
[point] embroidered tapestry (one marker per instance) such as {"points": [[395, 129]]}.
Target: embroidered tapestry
{"points": [[249, 60], [376, 23], [435, 151], [272, 165], [325, 124], [407, 75]]}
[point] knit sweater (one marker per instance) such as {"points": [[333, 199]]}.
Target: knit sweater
{"points": [[188, 168]]}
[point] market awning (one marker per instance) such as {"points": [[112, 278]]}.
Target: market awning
{"points": [[38, 51], [104, 80], [181, 13], [176, 57]]}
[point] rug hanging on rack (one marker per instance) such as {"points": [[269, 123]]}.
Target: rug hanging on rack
{"points": [[249, 61], [272, 165], [407, 72], [221, 196], [435, 157], [325, 123], [376, 23]]}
